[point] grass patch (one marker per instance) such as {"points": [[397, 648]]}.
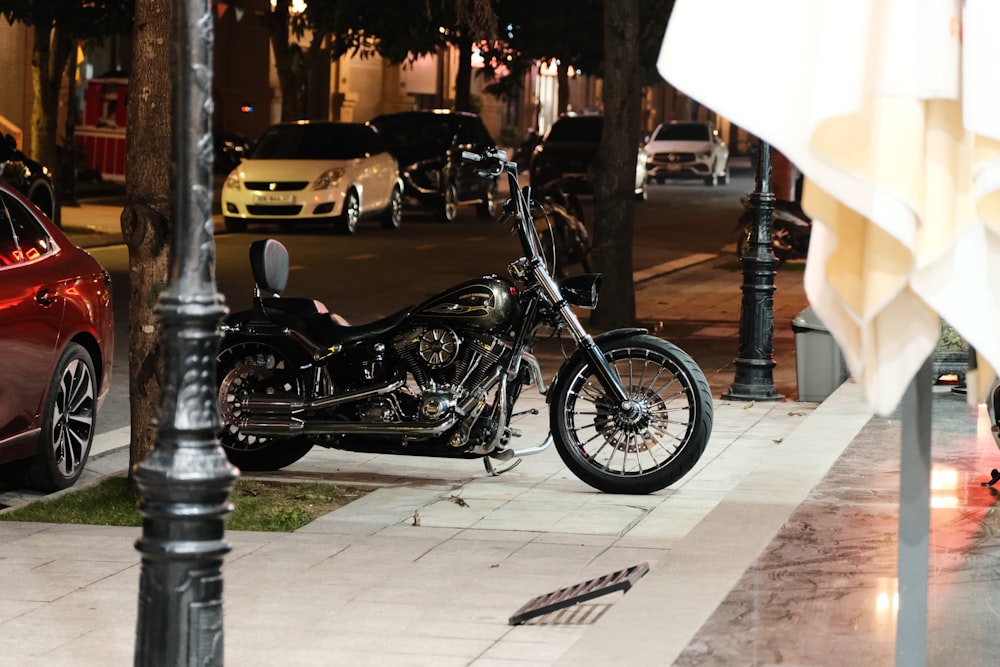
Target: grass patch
{"points": [[262, 505]]}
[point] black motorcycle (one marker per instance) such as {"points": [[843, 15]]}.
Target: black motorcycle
{"points": [[790, 230], [628, 412]]}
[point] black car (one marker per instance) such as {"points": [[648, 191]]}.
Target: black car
{"points": [[27, 176], [428, 146], [564, 157]]}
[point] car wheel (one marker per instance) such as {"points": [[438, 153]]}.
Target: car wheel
{"points": [[711, 179], [347, 223], [449, 208], [488, 207], [642, 194], [235, 225], [392, 217], [660, 180], [67, 423], [724, 179], [40, 194]]}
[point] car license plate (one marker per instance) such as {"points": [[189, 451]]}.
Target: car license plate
{"points": [[274, 198]]}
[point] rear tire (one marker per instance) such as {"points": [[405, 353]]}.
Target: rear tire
{"points": [[488, 207], [449, 207], [245, 369], [645, 449], [392, 217]]}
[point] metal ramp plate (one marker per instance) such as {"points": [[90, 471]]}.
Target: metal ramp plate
{"points": [[621, 580]]}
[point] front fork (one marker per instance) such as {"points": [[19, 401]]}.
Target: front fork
{"points": [[605, 373]]}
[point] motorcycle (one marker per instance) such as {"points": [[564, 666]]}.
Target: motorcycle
{"points": [[628, 412], [790, 230]]}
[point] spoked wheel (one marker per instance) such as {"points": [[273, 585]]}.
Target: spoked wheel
{"points": [[649, 441], [245, 369]]}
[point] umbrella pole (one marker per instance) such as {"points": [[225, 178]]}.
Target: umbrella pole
{"points": [[754, 379], [914, 520]]}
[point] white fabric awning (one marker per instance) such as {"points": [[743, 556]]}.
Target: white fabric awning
{"points": [[891, 110]]}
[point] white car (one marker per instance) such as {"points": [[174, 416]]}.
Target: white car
{"points": [[308, 171], [687, 149]]}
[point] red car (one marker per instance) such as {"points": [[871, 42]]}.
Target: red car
{"points": [[56, 342]]}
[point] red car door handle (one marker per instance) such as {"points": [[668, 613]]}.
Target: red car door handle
{"points": [[46, 297]]}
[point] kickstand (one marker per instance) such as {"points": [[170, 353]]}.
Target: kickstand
{"points": [[994, 478], [496, 473]]}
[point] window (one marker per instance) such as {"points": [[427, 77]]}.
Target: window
{"points": [[22, 238]]}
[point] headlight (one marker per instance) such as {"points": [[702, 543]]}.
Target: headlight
{"points": [[232, 181], [328, 179]]}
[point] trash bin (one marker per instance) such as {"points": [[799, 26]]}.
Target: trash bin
{"points": [[819, 363]]}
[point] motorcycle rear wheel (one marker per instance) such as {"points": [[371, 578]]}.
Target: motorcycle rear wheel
{"points": [[247, 368], [643, 451]]}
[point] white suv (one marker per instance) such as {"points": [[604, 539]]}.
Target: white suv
{"points": [[687, 149]]}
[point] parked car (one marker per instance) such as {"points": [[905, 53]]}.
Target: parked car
{"points": [[27, 176], [56, 342], [315, 171], [688, 149], [567, 151], [428, 146]]}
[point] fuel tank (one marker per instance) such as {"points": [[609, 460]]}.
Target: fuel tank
{"points": [[486, 303]]}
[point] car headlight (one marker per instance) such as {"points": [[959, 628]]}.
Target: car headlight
{"points": [[328, 179], [232, 181]]}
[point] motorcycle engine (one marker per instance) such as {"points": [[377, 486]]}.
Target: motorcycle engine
{"points": [[439, 358]]}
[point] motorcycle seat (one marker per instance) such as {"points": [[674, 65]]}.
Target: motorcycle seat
{"points": [[326, 331]]}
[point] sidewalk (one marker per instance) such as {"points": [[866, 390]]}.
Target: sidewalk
{"points": [[365, 586]]}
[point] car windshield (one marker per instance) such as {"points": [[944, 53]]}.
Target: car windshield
{"points": [[577, 128], [419, 131], [683, 132], [320, 141]]}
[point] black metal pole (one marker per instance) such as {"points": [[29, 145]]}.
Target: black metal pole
{"points": [[754, 379], [186, 480]]}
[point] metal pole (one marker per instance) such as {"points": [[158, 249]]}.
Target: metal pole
{"points": [[754, 379], [185, 482], [914, 520]]}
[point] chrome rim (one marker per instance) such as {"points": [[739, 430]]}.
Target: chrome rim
{"points": [[450, 203], [397, 208], [248, 369], [352, 212], [642, 434], [73, 418]]}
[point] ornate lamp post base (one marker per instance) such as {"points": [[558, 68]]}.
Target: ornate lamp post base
{"points": [[754, 379]]}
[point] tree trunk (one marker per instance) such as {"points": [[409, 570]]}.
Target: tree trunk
{"points": [[147, 216], [562, 78], [614, 167], [287, 63], [463, 77], [50, 54]]}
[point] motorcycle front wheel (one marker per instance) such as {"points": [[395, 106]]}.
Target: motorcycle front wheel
{"points": [[245, 369], [642, 447]]}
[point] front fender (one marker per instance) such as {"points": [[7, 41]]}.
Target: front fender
{"points": [[606, 337]]}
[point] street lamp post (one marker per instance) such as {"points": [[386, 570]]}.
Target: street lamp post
{"points": [[754, 380], [185, 482]]}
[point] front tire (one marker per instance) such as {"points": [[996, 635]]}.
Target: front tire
{"points": [[647, 445], [68, 423], [245, 369]]}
